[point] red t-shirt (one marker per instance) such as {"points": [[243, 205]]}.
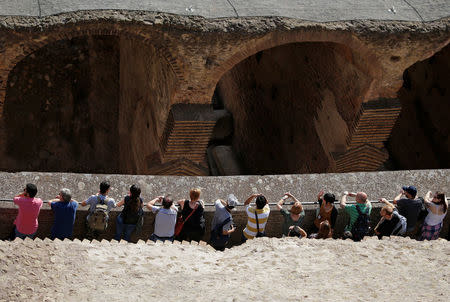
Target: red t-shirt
{"points": [[26, 221]]}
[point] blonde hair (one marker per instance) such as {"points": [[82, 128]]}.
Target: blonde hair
{"points": [[194, 194], [297, 208], [387, 209]]}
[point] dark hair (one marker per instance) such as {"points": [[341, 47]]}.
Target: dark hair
{"points": [[31, 190], [261, 201], [329, 198], [324, 230], [167, 201], [441, 197], [104, 186], [135, 192]]}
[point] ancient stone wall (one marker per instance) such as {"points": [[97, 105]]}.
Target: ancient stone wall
{"points": [[167, 59]]}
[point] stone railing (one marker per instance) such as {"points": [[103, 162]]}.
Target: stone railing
{"points": [[304, 187]]}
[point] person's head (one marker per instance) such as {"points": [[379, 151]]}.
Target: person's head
{"points": [[167, 201], [295, 231], [261, 201], [297, 208], [386, 212], [439, 198], [329, 198], [324, 230], [194, 194], [410, 191], [65, 195], [135, 191], [361, 197], [104, 187], [232, 202], [30, 190]]}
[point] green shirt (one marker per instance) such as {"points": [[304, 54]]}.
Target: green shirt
{"points": [[288, 220], [353, 212]]}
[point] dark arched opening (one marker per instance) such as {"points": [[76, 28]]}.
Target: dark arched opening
{"points": [[293, 106], [420, 138], [88, 104]]}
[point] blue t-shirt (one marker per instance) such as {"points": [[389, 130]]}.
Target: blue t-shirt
{"points": [[64, 219]]}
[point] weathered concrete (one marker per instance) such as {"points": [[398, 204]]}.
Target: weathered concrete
{"points": [[313, 10], [304, 187]]}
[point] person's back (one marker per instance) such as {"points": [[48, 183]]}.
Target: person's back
{"points": [[359, 213], [65, 213], [256, 217], [64, 210], [29, 207], [165, 219], [410, 209], [222, 224]]}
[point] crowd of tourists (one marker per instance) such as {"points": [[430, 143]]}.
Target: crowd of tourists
{"points": [[407, 215]]}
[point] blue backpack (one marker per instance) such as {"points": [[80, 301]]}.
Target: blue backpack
{"points": [[217, 237]]}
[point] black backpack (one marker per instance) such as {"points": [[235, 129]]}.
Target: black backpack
{"points": [[361, 226], [217, 237]]}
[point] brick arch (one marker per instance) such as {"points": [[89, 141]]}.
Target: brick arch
{"points": [[46, 38], [370, 65]]}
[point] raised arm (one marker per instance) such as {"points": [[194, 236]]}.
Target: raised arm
{"points": [[120, 203], [343, 202], [280, 203], [181, 203], [249, 200], [153, 201], [291, 196], [428, 198], [398, 197], [383, 200]]}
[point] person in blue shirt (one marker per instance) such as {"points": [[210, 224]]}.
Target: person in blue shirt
{"points": [[64, 209]]}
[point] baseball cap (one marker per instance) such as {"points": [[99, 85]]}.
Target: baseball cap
{"points": [[232, 201], [411, 190]]}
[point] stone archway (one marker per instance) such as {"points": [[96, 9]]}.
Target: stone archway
{"points": [[94, 103], [294, 105], [421, 136]]}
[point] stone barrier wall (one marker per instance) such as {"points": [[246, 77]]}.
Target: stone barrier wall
{"points": [[304, 187]]}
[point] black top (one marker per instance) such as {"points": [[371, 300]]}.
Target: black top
{"points": [[196, 222], [410, 209], [129, 215], [386, 228], [334, 214]]}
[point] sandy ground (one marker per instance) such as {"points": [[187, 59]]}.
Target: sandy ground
{"points": [[266, 269]]}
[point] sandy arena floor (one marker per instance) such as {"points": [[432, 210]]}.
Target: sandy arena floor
{"points": [[267, 269]]}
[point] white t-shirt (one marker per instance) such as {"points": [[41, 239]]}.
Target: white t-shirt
{"points": [[165, 221]]}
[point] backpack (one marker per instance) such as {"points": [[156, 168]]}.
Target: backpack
{"points": [[361, 226], [98, 219], [140, 222], [400, 228], [217, 236]]}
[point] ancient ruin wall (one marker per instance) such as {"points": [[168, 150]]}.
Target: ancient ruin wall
{"points": [[421, 137], [275, 97]]}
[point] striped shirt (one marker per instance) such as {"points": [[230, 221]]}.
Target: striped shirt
{"points": [[263, 214]]}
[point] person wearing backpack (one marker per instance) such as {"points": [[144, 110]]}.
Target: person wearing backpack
{"points": [[165, 219], [359, 223], [222, 224], [99, 206], [131, 214], [391, 222]]}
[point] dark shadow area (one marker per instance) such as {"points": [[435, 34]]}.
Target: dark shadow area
{"points": [[89, 104], [420, 138], [293, 105]]}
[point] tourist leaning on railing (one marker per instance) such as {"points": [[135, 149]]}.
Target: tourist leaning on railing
{"points": [[26, 222], [293, 217], [437, 209], [64, 209], [391, 222], [359, 223], [192, 215], [326, 210], [165, 219], [256, 217], [129, 217]]}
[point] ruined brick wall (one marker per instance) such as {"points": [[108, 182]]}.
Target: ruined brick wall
{"points": [[191, 55]]}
